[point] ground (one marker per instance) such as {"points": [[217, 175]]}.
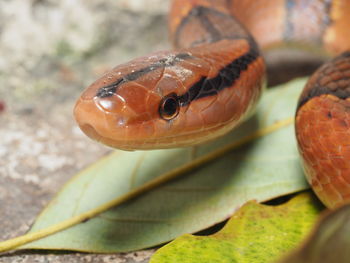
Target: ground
{"points": [[50, 51]]}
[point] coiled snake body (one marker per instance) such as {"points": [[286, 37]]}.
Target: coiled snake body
{"points": [[213, 78]]}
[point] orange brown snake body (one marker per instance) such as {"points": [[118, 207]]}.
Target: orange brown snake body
{"points": [[213, 78]]}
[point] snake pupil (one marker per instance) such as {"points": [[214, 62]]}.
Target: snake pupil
{"points": [[169, 107]]}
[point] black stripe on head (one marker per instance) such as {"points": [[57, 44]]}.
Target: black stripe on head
{"points": [[339, 87], [226, 77], [111, 89]]}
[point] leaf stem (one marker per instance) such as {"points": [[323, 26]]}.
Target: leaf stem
{"points": [[166, 177]]}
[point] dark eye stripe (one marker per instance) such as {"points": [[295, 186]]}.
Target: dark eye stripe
{"points": [[225, 78]]}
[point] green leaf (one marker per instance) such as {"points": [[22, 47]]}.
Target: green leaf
{"points": [[330, 241], [256, 233], [267, 168]]}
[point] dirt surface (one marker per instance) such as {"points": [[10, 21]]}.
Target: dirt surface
{"points": [[50, 51]]}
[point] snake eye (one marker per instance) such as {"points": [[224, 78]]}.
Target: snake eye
{"points": [[169, 107]]}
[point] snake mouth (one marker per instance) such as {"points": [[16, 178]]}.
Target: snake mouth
{"points": [[90, 131], [133, 144]]}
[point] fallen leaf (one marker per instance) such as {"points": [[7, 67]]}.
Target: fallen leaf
{"points": [[261, 170], [255, 233], [329, 242]]}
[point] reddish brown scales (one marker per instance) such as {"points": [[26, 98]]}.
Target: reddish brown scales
{"points": [[181, 8], [322, 128]]}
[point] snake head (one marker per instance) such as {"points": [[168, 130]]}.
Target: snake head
{"points": [[171, 99], [138, 105]]}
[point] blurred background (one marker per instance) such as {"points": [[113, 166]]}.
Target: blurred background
{"points": [[49, 52], [60, 46]]}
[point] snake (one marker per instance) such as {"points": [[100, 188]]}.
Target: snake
{"points": [[212, 79]]}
